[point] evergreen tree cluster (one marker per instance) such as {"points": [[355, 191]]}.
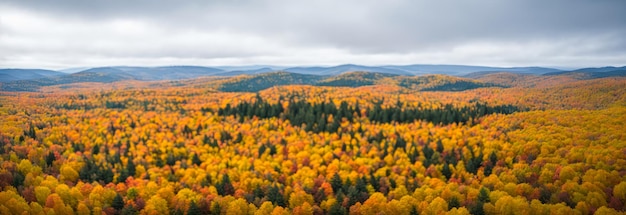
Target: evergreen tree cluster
{"points": [[115, 105], [93, 172], [225, 187], [315, 116], [447, 114]]}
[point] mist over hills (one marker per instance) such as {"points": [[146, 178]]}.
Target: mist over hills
{"points": [[7, 75], [591, 73], [460, 70], [337, 70], [154, 73], [263, 76]]}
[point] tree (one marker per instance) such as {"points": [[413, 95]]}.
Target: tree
{"points": [[336, 183], [68, 173], [131, 166], [129, 210], [266, 208], [118, 202], [156, 205], [274, 196], [437, 206], [477, 208], [299, 198], [337, 209], [193, 209], [454, 203], [445, 171], [361, 188], [225, 187], [439, 146], [18, 179], [483, 195], [42, 193], [50, 158], [196, 160], [82, 209], [170, 160]]}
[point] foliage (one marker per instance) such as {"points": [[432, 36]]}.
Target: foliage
{"points": [[540, 149]]}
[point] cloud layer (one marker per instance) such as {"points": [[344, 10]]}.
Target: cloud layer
{"points": [[75, 33]]}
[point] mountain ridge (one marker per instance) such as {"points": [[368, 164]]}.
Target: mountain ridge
{"points": [[32, 79], [7, 75], [593, 72]]}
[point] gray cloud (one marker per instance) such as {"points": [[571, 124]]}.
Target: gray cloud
{"points": [[70, 33]]}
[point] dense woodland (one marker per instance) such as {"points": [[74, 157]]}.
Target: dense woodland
{"points": [[544, 145]]}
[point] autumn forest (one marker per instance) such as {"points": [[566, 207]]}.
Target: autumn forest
{"points": [[360, 143]]}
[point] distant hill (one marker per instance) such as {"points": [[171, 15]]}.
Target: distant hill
{"points": [[266, 80], [246, 72], [8, 75], [601, 69], [74, 70], [156, 73], [337, 70], [504, 78], [103, 76], [593, 73], [442, 83], [417, 69], [255, 78], [112, 74], [354, 79], [250, 67], [460, 70]]}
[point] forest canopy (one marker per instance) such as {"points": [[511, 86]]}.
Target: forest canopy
{"points": [[550, 145]]}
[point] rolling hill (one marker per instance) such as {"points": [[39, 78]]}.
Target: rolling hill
{"points": [[593, 73], [108, 75], [8, 75], [155, 73], [460, 70], [246, 72], [442, 83], [266, 80], [354, 79], [337, 70], [255, 78]]}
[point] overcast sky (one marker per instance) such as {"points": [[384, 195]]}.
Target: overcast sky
{"points": [[77, 33]]}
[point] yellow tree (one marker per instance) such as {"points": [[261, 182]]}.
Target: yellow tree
{"points": [[155, 205]]}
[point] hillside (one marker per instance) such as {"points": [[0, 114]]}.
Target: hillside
{"points": [[263, 81], [155, 73], [354, 79], [442, 83], [8, 75], [100, 75], [415, 77], [337, 70], [461, 70], [593, 73], [256, 82], [109, 75], [246, 72]]}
